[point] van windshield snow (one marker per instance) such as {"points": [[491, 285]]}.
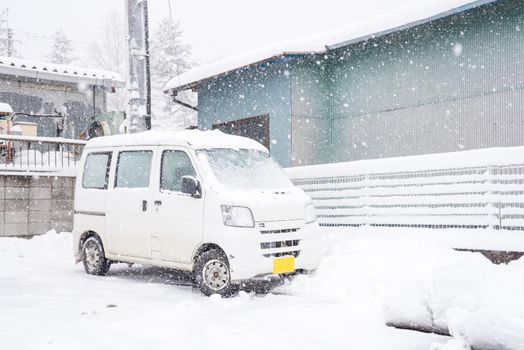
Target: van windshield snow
{"points": [[244, 169]]}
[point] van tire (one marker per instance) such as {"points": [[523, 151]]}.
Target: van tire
{"points": [[215, 265], [93, 257]]}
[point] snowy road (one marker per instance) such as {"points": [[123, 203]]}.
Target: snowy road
{"points": [[47, 302]]}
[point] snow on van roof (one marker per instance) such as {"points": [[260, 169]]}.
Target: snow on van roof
{"points": [[193, 138], [399, 19]]}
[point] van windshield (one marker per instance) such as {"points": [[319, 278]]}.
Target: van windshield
{"points": [[243, 169]]}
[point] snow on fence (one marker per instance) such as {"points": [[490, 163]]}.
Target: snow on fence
{"points": [[22, 154], [470, 189]]}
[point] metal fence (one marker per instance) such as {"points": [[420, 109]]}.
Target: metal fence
{"points": [[483, 196], [41, 154]]}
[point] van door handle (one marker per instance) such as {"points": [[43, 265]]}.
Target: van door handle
{"points": [[144, 205], [158, 203]]}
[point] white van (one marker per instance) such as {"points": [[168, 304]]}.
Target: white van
{"points": [[200, 201]]}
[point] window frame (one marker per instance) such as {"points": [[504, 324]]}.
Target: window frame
{"points": [[164, 190], [134, 151], [108, 169]]}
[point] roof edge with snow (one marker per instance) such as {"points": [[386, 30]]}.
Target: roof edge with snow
{"points": [[56, 72], [400, 19]]}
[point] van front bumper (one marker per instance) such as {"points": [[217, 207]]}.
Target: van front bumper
{"points": [[253, 254]]}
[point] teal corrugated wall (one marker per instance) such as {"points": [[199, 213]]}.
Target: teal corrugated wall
{"points": [[449, 85], [252, 92]]}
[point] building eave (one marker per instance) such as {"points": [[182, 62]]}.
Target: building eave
{"points": [[194, 84], [42, 71]]}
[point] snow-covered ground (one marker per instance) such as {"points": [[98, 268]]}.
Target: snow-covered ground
{"points": [[364, 281]]}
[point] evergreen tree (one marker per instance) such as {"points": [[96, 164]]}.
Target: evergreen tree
{"points": [[61, 49], [169, 58]]}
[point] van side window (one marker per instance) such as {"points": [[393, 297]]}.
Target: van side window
{"points": [[96, 170], [175, 165], [133, 169]]}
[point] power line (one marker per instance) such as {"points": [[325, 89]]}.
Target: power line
{"points": [[10, 33], [47, 38], [7, 36]]}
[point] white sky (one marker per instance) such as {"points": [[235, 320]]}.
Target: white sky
{"points": [[214, 28]]}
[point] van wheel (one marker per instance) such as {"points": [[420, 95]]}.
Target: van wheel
{"points": [[93, 257], [211, 273]]}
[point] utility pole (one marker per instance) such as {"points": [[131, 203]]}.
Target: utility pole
{"points": [[10, 48], [6, 35], [139, 71], [148, 67]]}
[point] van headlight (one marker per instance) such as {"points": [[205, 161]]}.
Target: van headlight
{"points": [[310, 213], [237, 216]]}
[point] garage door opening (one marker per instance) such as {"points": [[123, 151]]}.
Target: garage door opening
{"points": [[256, 128]]}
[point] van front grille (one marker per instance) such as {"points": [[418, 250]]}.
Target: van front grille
{"points": [[292, 244], [279, 244], [294, 253]]}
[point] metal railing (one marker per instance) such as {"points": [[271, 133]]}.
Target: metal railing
{"points": [[41, 154]]}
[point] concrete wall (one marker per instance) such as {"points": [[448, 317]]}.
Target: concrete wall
{"points": [[34, 205]]}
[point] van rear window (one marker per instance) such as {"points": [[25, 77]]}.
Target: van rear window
{"points": [[96, 171], [133, 169]]}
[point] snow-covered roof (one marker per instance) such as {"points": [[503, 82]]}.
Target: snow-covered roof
{"points": [[57, 72], [402, 18], [193, 138], [5, 108]]}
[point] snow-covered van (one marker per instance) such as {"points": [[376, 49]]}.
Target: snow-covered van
{"points": [[200, 201]]}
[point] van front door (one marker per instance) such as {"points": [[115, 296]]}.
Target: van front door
{"points": [[128, 217], [178, 217]]}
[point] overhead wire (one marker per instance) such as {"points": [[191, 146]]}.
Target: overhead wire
{"points": [[46, 38]]}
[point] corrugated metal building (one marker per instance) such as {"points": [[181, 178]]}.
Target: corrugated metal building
{"points": [[445, 79]]}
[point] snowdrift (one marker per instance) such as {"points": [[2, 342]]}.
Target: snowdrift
{"points": [[423, 283]]}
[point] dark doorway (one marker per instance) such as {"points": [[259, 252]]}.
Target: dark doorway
{"points": [[256, 128]]}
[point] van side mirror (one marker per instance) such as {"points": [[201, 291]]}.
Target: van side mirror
{"points": [[191, 186]]}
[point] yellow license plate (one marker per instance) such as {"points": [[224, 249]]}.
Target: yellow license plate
{"points": [[284, 265]]}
